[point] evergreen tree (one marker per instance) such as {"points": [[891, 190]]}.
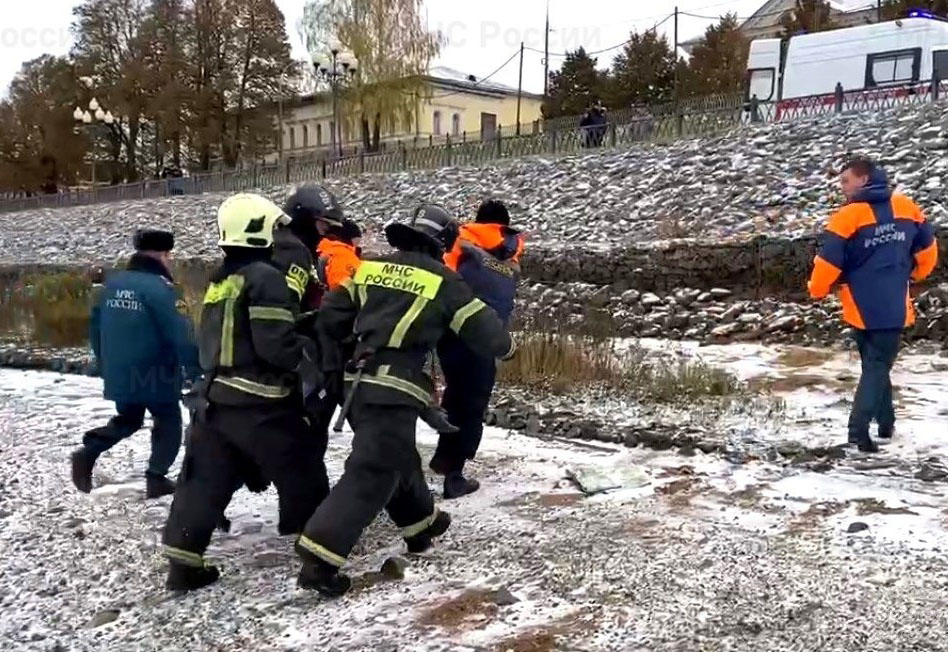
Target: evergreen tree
{"points": [[644, 72], [575, 86]]}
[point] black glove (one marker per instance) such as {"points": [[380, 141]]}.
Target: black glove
{"points": [[438, 420]]}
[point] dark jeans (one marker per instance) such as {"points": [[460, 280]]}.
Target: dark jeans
{"points": [[878, 350], [469, 382], [165, 434]]}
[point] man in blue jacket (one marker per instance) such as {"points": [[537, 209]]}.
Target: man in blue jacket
{"points": [[144, 348]]}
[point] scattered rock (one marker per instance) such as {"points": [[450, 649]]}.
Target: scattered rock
{"points": [[394, 568], [856, 526], [103, 618]]}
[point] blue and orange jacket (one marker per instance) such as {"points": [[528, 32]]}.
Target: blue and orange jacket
{"points": [[487, 256], [873, 246]]}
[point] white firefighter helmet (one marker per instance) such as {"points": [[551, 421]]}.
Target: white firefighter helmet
{"points": [[248, 220]]}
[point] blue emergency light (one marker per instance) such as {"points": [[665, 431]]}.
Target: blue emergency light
{"points": [[924, 13]]}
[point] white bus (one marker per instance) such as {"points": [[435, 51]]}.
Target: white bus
{"points": [[864, 58]]}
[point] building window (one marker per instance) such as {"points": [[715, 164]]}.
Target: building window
{"points": [[305, 135], [436, 128], [319, 133], [292, 138], [332, 132], [456, 124]]}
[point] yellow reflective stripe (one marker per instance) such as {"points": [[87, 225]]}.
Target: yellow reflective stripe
{"points": [[268, 312], [183, 556], [350, 288], [227, 334], [465, 312], [406, 278], [393, 382], [297, 279], [363, 294], [251, 387], [420, 526], [295, 286], [322, 552], [401, 328], [229, 288]]}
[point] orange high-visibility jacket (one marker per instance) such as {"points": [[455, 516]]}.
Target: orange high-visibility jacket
{"points": [[490, 238], [873, 247], [336, 262]]}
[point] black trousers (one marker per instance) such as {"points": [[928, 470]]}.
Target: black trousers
{"points": [[469, 381], [165, 432], [383, 471], [878, 350], [231, 446]]}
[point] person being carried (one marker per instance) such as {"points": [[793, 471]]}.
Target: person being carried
{"points": [[487, 256], [144, 352], [873, 247], [399, 306]]}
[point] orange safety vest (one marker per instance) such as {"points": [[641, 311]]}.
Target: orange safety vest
{"points": [[336, 262]]}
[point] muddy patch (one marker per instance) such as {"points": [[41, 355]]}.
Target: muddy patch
{"points": [[472, 609], [866, 506], [680, 493], [798, 356], [551, 637], [791, 382], [814, 515]]}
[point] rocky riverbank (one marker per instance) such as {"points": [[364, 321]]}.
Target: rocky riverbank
{"points": [[776, 180]]}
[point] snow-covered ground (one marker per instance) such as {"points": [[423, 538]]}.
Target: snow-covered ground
{"points": [[690, 553]]}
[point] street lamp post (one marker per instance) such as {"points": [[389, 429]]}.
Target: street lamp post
{"points": [[337, 71], [92, 118]]}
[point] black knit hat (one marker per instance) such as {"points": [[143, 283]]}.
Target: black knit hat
{"points": [[153, 240], [349, 230], [493, 212]]}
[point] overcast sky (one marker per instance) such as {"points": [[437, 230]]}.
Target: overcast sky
{"points": [[481, 34]]}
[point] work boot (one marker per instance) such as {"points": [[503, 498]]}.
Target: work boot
{"points": [[423, 540], [83, 461], [456, 485], [864, 443], [318, 575], [157, 486], [886, 433], [182, 577]]}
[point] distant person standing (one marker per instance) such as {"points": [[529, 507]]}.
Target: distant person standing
{"points": [[144, 349], [874, 246]]}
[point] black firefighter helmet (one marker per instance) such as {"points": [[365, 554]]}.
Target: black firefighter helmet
{"points": [[308, 204], [431, 227]]}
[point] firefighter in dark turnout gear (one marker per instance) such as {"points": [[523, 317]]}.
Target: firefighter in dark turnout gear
{"points": [[254, 362], [487, 256], [314, 212], [398, 306]]}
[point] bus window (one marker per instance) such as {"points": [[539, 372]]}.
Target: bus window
{"points": [[761, 84], [898, 67]]}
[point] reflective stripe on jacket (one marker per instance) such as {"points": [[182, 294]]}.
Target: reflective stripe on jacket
{"points": [[873, 247], [248, 337]]}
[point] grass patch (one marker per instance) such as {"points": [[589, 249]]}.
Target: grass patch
{"points": [[53, 309], [560, 362], [48, 309]]}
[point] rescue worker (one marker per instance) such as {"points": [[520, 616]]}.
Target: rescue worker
{"points": [[873, 247], [337, 262], [255, 362], [144, 352], [399, 306], [314, 212], [487, 256]]}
